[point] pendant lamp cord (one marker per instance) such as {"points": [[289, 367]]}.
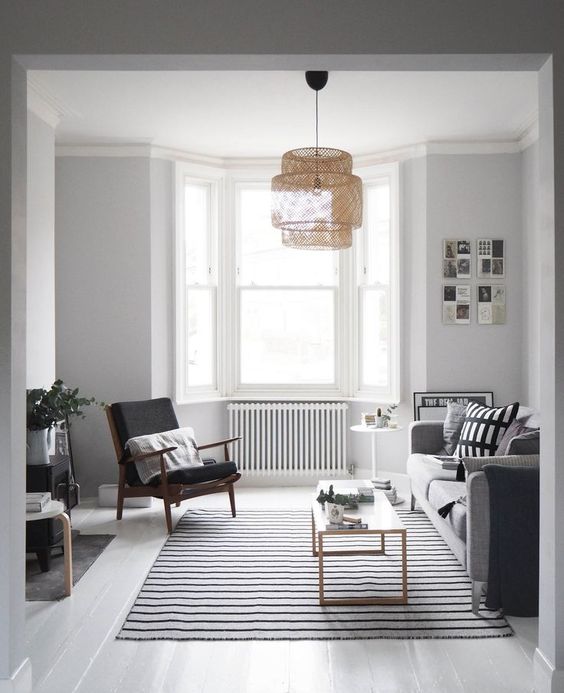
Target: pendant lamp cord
{"points": [[316, 120], [317, 180]]}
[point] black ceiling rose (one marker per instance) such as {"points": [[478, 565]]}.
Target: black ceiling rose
{"points": [[316, 79]]}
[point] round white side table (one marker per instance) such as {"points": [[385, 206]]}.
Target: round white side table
{"points": [[374, 432], [56, 510]]}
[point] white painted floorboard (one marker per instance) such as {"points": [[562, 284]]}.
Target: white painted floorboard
{"points": [[72, 643]]}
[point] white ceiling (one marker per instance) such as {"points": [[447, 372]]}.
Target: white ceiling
{"points": [[261, 114]]}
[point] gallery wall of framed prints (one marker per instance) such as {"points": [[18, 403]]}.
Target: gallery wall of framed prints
{"points": [[489, 298]]}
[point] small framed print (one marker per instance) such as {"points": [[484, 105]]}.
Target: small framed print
{"points": [[491, 304], [456, 304], [491, 258], [457, 256]]}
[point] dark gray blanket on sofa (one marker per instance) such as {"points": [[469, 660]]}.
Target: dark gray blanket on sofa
{"points": [[513, 577]]}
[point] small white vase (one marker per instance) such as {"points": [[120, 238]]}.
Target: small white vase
{"points": [[334, 512], [37, 446]]}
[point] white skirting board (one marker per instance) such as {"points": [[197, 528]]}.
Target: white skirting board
{"points": [[107, 498]]}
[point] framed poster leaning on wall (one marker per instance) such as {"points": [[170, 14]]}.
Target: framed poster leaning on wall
{"points": [[431, 406]]}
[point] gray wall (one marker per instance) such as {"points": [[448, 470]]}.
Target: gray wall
{"points": [[531, 276], [475, 197], [40, 253], [103, 290]]}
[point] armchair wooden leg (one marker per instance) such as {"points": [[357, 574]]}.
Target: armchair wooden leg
{"points": [[232, 500], [413, 501], [477, 591], [121, 488]]}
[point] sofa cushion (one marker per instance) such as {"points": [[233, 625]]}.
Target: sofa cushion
{"points": [[515, 429], [476, 464], [443, 492], [422, 470], [525, 444], [452, 425], [483, 429]]}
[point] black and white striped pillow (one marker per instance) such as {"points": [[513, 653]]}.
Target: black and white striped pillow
{"points": [[483, 429]]}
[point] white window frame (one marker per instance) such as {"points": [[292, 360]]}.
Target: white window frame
{"points": [[391, 393], [225, 241], [250, 390], [214, 179]]}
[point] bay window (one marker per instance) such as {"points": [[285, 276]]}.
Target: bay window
{"points": [[256, 319]]}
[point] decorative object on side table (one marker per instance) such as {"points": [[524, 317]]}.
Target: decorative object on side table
{"points": [[46, 409]]}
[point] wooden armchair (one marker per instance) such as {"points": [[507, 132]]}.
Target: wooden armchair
{"points": [[131, 419]]}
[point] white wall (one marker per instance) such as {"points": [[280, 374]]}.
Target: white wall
{"points": [[531, 275], [40, 253], [475, 196]]}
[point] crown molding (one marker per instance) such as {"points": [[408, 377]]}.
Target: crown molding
{"points": [[530, 132], [146, 150], [43, 110], [45, 105]]}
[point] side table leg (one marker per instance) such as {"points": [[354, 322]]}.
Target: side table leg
{"points": [[313, 547], [67, 540]]}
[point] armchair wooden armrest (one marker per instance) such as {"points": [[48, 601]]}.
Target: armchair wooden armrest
{"points": [[144, 455], [219, 443]]}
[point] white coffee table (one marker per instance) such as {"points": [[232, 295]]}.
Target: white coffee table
{"points": [[56, 510], [381, 519]]}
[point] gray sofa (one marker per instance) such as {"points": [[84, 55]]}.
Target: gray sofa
{"points": [[466, 529]]}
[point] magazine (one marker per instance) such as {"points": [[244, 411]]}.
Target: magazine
{"points": [[445, 461]]}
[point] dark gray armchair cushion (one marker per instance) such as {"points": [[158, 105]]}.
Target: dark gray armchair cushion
{"points": [[197, 475]]}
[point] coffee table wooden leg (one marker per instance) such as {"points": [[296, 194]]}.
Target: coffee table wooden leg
{"points": [[313, 547], [320, 554], [383, 542], [67, 543], [404, 564]]}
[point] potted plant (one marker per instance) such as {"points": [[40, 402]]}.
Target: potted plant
{"points": [[335, 503], [388, 415], [45, 409]]}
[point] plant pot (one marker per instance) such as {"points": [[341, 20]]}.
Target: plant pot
{"points": [[334, 512], [380, 422], [37, 446]]}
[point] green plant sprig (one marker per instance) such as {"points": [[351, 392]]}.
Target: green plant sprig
{"points": [[47, 408]]}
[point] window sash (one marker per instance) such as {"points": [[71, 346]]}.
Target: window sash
{"points": [[248, 387]]}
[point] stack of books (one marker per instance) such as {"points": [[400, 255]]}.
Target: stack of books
{"points": [[36, 502], [385, 485], [368, 420]]}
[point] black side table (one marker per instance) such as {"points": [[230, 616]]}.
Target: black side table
{"points": [[44, 535]]}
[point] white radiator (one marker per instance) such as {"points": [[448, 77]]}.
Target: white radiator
{"points": [[289, 438]]}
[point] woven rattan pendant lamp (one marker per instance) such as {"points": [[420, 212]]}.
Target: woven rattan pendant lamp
{"points": [[316, 201]]}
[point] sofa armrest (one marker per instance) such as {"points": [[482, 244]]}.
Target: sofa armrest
{"points": [[477, 526], [425, 437], [478, 510]]}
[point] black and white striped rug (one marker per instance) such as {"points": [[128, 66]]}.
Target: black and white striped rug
{"points": [[253, 577]]}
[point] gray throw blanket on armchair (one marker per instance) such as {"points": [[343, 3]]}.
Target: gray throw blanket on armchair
{"points": [[513, 575]]}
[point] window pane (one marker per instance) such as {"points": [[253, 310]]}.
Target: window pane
{"points": [[196, 228], [377, 233], [264, 261], [200, 338], [287, 337], [374, 337]]}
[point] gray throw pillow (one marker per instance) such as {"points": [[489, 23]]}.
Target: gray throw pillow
{"points": [[456, 413], [525, 444], [516, 428]]}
